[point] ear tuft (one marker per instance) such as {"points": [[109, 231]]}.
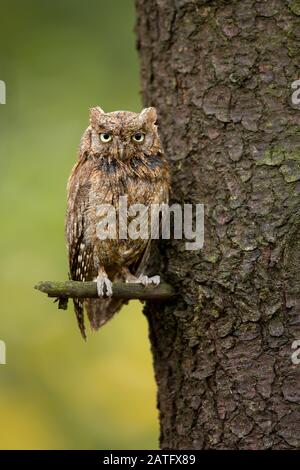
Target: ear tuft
{"points": [[149, 115], [95, 114]]}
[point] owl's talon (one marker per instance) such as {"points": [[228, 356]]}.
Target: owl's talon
{"points": [[146, 281], [155, 280], [104, 286]]}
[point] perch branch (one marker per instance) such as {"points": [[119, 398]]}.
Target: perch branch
{"points": [[69, 289]]}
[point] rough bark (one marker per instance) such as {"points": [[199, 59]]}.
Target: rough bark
{"points": [[220, 74]]}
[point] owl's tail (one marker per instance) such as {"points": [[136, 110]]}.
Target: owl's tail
{"points": [[78, 307], [101, 310]]}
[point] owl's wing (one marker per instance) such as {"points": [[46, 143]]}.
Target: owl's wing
{"points": [[80, 253], [159, 195]]}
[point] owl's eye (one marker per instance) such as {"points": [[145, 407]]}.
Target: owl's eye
{"points": [[138, 137], [105, 137]]}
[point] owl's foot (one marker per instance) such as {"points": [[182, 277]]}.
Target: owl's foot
{"points": [[145, 280], [104, 286], [142, 279]]}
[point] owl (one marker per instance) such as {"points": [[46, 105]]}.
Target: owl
{"points": [[120, 154]]}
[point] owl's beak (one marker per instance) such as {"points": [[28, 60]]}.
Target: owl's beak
{"points": [[121, 151]]}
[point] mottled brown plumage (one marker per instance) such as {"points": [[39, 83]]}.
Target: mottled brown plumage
{"points": [[111, 163]]}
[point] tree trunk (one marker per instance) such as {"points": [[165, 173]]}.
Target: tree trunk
{"points": [[220, 75]]}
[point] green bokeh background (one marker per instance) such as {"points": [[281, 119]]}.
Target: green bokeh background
{"points": [[58, 59]]}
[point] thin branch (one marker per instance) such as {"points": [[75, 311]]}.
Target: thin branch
{"points": [[69, 289]]}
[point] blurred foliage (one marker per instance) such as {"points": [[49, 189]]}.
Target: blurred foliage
{"points": [[58, 59]]}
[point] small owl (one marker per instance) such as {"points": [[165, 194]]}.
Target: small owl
{"points": [[120, 154]]}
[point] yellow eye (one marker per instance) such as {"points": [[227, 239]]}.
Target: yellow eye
{"points": [[138, 137], [105, 137]]}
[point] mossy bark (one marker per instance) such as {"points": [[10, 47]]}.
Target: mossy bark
{"points": [[220, 75]]}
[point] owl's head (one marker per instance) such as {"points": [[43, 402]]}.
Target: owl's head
{"points": [[122, 134]]}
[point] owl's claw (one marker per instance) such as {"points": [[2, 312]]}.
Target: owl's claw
{"points": [[142, 279], [104, 286], [145, 280]]}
